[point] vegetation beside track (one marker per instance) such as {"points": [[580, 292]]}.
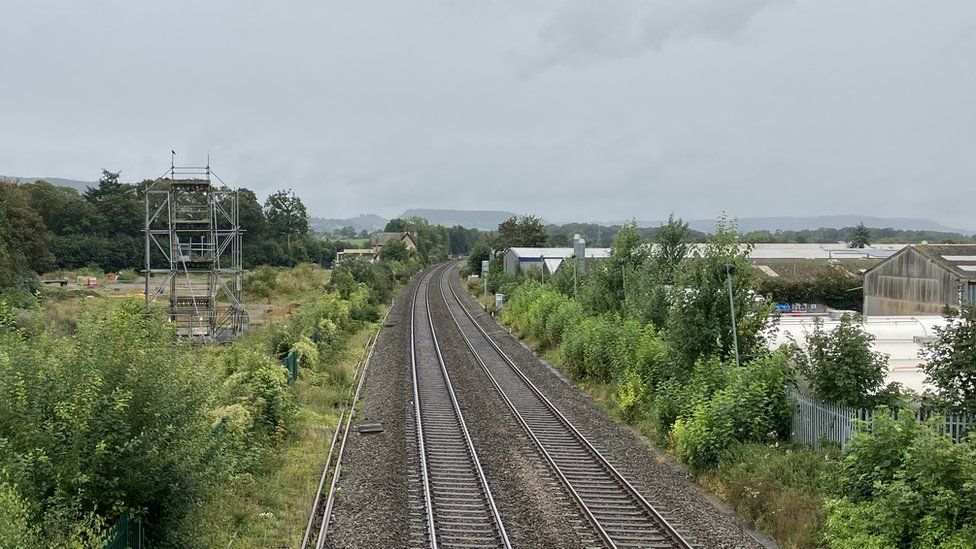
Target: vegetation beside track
{"points": [[106, 416], [662, 358]]}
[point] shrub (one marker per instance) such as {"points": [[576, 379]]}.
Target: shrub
{"points": [[876, 453], [678, 396], [753, 407], [260, 384], [904, 483], [113, 419], [16, 529]]}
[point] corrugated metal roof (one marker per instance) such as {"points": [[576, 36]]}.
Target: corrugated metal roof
{"points": [[958, 258], [759, 251], [560, 253]]}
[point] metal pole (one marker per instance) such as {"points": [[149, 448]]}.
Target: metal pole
{"points": [[729, 269], [575, 283], [542, 267], [623, 278], [148, 251]]}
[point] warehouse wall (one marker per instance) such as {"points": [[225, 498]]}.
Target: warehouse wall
{"points": [[909, 283]]}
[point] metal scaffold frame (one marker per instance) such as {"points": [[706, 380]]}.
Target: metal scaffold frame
{"points": [[193, 253]]}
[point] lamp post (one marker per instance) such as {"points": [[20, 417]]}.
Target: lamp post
{"points": [[729, 271]]}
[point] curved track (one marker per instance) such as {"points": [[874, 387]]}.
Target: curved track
{"points": [[458, 502], [621, 516]]}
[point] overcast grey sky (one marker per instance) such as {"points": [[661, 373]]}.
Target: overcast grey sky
{"points": [[591, 110]]}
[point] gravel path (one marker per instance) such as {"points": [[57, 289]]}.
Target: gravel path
{"points": [[372, 508], [665, 488]]}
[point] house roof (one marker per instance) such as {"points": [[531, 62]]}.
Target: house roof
{"points": [[960, 259], [381, 239]]}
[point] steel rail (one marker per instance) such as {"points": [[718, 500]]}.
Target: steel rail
{"points": [[464, 429], [425, 477], [359, 376], [667, 529], [459, 421]]}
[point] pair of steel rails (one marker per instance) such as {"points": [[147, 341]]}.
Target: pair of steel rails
{"points": [[459, 508]]}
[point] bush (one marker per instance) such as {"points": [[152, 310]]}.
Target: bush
{"points": [[113, 419], [904, 483], [16, 529], [260, 384], [565, 315], [753, 407], [678, 397]]}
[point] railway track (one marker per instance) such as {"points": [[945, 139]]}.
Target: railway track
{"points": [[459, 508], [616, 510], [317, 529]]}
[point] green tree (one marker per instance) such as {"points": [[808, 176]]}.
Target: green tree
{"points": [[63, 209], [860, 237], [651, 282], [672, 247], [120, 212], [24, 235], [251, 216], [394, 250], [286, 216], [395, 225], [480, 252], [628, 245], [699, 320], [950, 362], [526, 231], [841, 366]]}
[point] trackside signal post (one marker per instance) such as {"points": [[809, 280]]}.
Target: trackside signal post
{"points": [[484, 274]]}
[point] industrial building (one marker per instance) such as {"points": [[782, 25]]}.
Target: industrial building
{"points": [[922, 279], [519, 259]]}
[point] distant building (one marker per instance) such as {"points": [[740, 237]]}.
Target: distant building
{"points": [[517, 260], [922, 279], [366, 254], [378, 240]]}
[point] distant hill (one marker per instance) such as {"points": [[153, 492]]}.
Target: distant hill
{"points": [[369, 222], [750, 224], [486, 220], [82, 186]]}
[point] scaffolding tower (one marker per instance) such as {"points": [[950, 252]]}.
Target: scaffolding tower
{"points": [[193, 254]]}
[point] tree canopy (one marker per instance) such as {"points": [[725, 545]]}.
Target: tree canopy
{"points": [[526, 231]]}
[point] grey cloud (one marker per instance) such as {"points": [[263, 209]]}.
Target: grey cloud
{"points": [[582, 31]]}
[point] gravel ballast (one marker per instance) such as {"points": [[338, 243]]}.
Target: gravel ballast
{"points": [[530, 500], [371, 508], [379, 503]]}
